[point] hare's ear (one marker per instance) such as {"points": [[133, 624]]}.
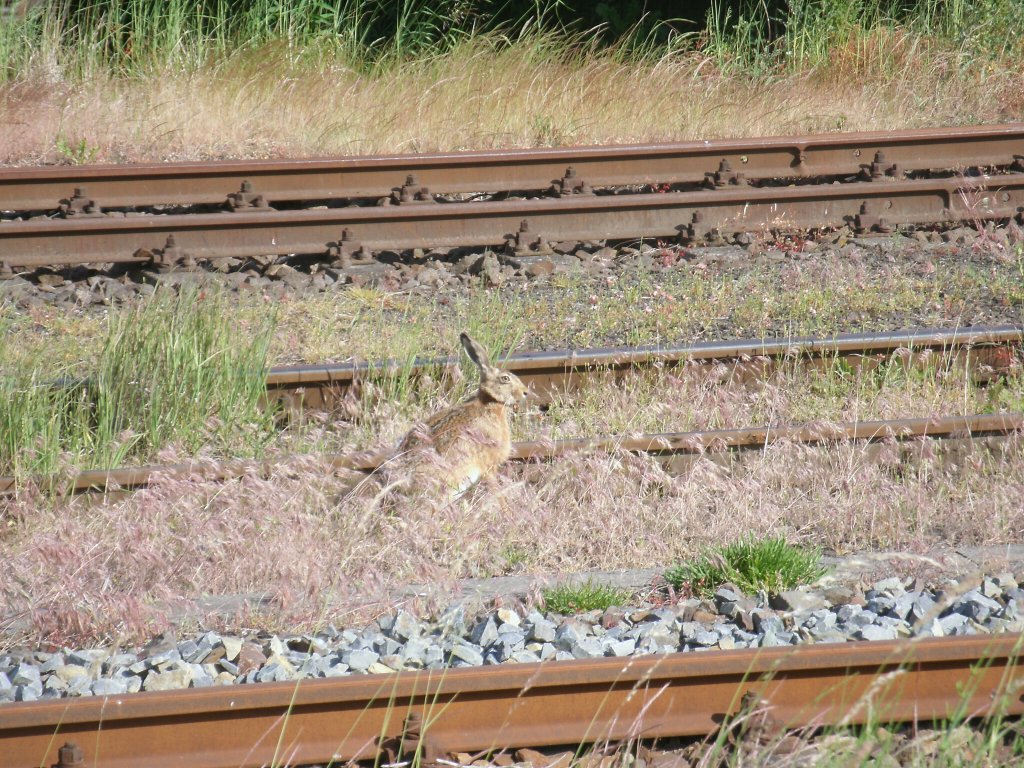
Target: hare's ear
{"points": [[476, 353]]}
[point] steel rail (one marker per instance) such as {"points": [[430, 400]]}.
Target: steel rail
{"points": [[521, 705], [868, 207], [674, 450], [549, 372], [533, 169]]}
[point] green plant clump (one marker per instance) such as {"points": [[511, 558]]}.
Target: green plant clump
{"points": [[570, 599], [175, 370], [753, 565]]}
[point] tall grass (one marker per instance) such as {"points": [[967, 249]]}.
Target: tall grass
{"points": [[175, 370], [85, 37], [858, 35]]}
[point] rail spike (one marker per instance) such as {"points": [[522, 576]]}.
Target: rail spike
{"points": [[247, 199], [171, 256], [348, 250], [70, 756], [570, 184], [724, 176], [411, 744], [80, 205], [410, 193], [525, 242]]}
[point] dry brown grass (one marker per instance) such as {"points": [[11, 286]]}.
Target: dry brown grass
{"points": [[480, 95], [320, 553], [703, 396]]}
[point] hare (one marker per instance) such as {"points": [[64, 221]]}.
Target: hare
{"points": [[468, 441]]}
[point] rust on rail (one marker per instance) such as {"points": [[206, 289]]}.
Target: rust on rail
{"points": [[985, 350], [674, 450], [868, 207], [554, 703], [869, 153]]}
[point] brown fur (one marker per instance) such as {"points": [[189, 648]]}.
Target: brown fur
{"points": [[468, 441]]}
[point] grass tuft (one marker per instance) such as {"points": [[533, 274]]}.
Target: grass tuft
{"points": [[175, 370], [579, 598], [753, 565]]}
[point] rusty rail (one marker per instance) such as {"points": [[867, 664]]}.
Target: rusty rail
{"points": [[674, 450], [521, 705], [874, 154], [546, 373], [347, 232]]}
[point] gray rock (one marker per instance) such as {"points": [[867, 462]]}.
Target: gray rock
{"points": [[52, 683], [688, 630], [923, 607], [27, 692], [200, 677], [798, 601], [881, 604], [52, 662], [107, 686], [588, 648], [170, 679], [71, 672], [770, 639], [525, 657], [862, 619], [385, 646], [163, 659], [122, 660], [509, 617], [405, 627], [541, 630], [569, 634], [903, 605], [766, 621], [433, 657], [452, 622], [622, 647], [484, 632], [705, 637], [80, 686], [27, 675], [975, 605], [466, 655], [893, 585], [414, 651], [187, 649], [953, 624], [875, 632], [359, 660]]}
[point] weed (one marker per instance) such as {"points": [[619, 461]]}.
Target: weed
{"points": [[75, 152], [173, 370], [753, 565], [587, 596]]}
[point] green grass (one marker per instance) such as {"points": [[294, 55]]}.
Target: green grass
{"points": [[177, 370], [571, 599], [136, 36], [859, 36], [753, 565]]}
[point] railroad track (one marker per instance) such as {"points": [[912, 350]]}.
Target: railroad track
{"points": [[885, 200], [432, 714], [675, 451], [346, 178], [987, 351]]}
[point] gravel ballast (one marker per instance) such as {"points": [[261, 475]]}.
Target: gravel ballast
{"points": [[889, 609]]}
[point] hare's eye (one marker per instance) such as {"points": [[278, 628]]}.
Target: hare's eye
{"points": [[506, 378]]}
